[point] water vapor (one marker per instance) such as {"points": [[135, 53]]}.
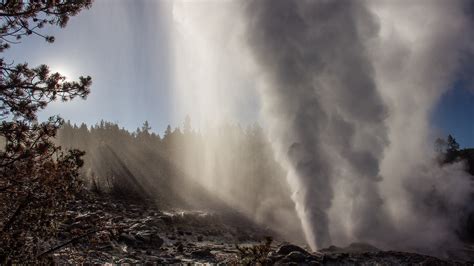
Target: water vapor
{"points": [[347, 90], [326, 112]]}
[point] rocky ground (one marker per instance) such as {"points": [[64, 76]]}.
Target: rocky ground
{"points": [[102, 230]]}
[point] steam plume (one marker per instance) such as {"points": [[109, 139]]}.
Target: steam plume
{"points": [[347, 90], [324, 102]]}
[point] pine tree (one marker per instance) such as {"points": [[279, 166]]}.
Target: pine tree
{"points": [[36, 176], [167, 132], [452, 144]]}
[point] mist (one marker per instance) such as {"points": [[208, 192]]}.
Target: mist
{"points": [[241, 132], [345, 92]]}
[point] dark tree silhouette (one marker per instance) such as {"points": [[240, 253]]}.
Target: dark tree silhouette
{"points": [[167, 131], [36, 177], [452, 145]]}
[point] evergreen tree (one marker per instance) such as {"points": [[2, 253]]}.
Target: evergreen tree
{"points": [[452, 145], [36, 177], [167, 132], [146, 127]]}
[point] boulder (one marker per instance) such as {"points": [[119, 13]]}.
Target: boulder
{"points": [[287, 249], [296, 256]]}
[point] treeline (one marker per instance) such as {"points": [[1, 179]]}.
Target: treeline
{"points": [[449, 152], [227, 165]]}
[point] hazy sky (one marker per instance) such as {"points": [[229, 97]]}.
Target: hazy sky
{"points": [[127, 49]]}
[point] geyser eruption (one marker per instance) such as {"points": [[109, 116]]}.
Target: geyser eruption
{"points": [[347, 89], [323, 101]]}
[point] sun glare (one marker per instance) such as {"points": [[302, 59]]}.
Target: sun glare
{"points": [[62, 69]]}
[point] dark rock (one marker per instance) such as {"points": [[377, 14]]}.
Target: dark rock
{"points": [[172, 261], [167, 219], [127, 261], [157, 241], [275, 257], [361, 248], [64, 235], [136, 226], [202, 254], [352, 248], [144, 236], [150, 221], [287, 249], [106, 247], [330, 249], [153, 259], [199, 238], [127, 239], [179, 247], [296, 256], [79, 225]]}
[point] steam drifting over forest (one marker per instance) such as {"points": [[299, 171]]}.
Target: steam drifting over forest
{"points": [[305, 121]]}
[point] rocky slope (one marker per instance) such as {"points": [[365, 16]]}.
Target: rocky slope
{"points": [[102, 230]]}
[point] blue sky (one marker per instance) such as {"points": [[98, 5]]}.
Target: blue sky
{"points": [[125, 46], [454, 114]]}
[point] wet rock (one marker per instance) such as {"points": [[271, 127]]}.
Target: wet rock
{"points": [[199, 238], [287, 249]]}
